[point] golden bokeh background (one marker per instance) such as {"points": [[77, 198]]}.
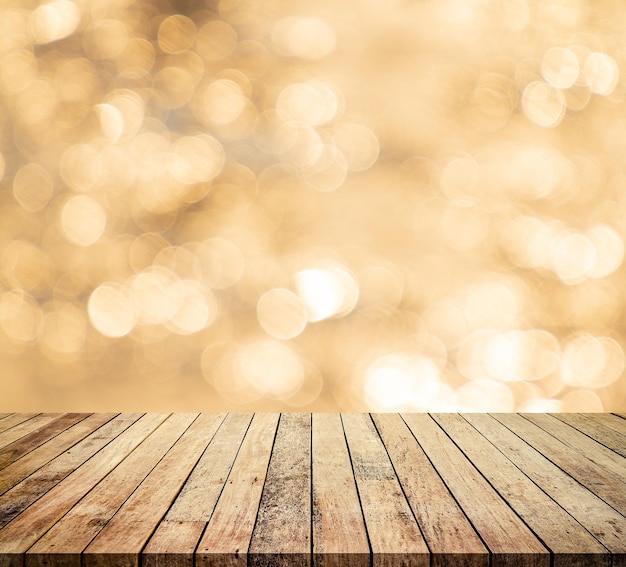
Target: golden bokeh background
{"points": [[290, 205]]}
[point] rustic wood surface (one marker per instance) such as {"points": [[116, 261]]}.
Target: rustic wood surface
{"points": [[314, 490]]}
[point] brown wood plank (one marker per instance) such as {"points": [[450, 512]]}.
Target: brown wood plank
{"points": [[612, 421], [22, 532], [3, 415], [505, 534], [120, 542], [450, 537], [394, 535], [227, 537], [572, 545], [22, 495], [339, 535], [574, 439], [602, 521], [72, 533], [282, 533], [18, 431], [28, 464], [15, 419], [602, 434], [607, 486], [10, 453], [174, 541]]}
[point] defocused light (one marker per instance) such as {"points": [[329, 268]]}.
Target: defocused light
{"points": [[601, 73], [543, 104], [591, 362], [216, 40], [222, 262], [81, 167], [32, 187], [281, 313], [53, 21], [111, 311], [64, 330], [485, 396], [313, 102], [17, 70], [560, 67], [492, 304], [581, 401], [327, 292], [309, 38], [105, 39], [83, 220], [176, 34], [196, 309], [224, 101], [609, 251], [20, 316], [574, 256], [358, 144], [196, 159]]}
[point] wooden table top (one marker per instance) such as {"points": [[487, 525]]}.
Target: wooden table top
{"points": [[325, 489]]}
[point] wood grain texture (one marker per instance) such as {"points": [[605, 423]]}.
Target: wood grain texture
{"points": [[612, 421], [572, 545], [227, 536], [18, 431], [594, 429], [14, 419], [394, 535], [509, 540], [606, 485], [450, 537], [602, 521], [339, 535]]}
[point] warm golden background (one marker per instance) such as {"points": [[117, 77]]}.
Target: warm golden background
{"points": [[296, 205]]}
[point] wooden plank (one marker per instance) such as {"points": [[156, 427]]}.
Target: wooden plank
{"points": [[612, 421], [339, 535], [72, 533], [505, 534], [174, 541], [450, 537], [571, 544], [10, 453], [22, 495], [22, 532], [595, 478], [227, 537], [592, 428], [581, 443], [282, 533], [28, 464], [17, 432], [15, 419], [3, 415], [602, 521], [120, 542], [394, 535]]}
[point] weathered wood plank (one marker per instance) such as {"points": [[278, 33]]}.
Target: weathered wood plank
{"points": [[120, 542], [18, 431], [394, 535], [174, 542], [612, 421], [22, 532], [602, 521], [282, 533], [72, 533], [227, 537], [10, 453], [22, 495], [15, 419], [572, 545], [339, 535], [450, 537], [592, 428], [595, 478], [28, 464], [507, 537], [3, 415], [574, 439]]}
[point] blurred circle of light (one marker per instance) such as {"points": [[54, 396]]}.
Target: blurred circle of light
{"points": [[224, 101], [111, 121], [105, 39], [534, 173], [397, 382], [329, 172], [581, 401], [222, 262], [560, 67], [81, 167], [543, 104], [176, 34], [601, 73], [305, 37], [358, 144], [271, 368], [83, 220], [485, 396], [216, 40], [64, 331], [380, 290], [36, 102], [609, 249], [312, 102], [32, 187], [111, 311], [17, 70], [53, 21], [573, 257], [155, 295], [196, 158], [591, 362], [20, 316], [281, 313], [196, 309], [331, 292], [460, 177]]}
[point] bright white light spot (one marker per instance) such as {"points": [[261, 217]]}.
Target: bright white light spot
{"points": [[327, 292], [53, 21], [83, 220], [601, 73], [308, 38], [573, 257], [111, 311]]}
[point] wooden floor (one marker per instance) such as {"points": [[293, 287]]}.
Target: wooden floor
{"points": [[324, 489]]}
